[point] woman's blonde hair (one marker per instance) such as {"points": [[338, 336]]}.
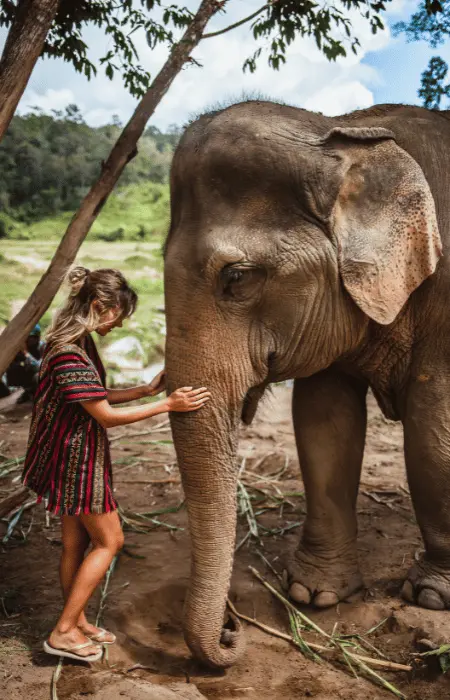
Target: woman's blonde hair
{"points": [[79, 315]]}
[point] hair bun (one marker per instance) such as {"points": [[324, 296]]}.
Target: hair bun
{"points": [[76, 279]]}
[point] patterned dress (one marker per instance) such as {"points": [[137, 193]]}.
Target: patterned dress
{"points": [[68, 460]]}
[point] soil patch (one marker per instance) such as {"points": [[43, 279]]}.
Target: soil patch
{"points": [[146, 591]]}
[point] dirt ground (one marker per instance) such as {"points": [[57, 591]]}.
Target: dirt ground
{"points": [[146, 590]]}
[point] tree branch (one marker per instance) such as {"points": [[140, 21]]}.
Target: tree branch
{"points": [[17, 330], [237, 24]]}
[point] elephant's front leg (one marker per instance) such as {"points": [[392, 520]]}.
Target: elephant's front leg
{"points": [[329, 412], [427, 454]]}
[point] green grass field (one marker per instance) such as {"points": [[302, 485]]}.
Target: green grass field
{"points": [[23, 262], [135, 212], [127, 235]]}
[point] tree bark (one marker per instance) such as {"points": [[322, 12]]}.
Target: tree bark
{"points": [[23, 47], [14, 335]]}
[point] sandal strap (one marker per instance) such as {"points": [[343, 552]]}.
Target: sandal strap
{"points": [[101, 633], [80, 646]]}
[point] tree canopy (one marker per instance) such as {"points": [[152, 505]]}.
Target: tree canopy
{"points": [[275, 25], [430, 23]]}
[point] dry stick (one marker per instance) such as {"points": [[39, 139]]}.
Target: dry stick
{"points": [[380, 663], [242, 542], [24, 44], [104, 589], [55, 678], [123, 151], [269, 565], [172, 480], [377, 499], [289, 605], [13, 500], [155, 429], [262, 460]]}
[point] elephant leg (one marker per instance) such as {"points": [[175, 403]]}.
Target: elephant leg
{"points": [[427, 454], [329, 413]]}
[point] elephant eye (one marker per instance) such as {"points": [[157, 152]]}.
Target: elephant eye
{"points": [[240, 282]]}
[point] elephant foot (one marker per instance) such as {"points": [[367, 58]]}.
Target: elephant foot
{"points": [[428, 586], [315, 580]]}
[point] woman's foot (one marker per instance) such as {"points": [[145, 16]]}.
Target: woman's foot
{"points": [[96, 634], [71, 639]]}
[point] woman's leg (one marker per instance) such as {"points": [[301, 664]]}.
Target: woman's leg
{"points": [[106, 536], [75, 540]]}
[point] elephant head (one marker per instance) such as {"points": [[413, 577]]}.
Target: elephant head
{"points": [[289, 236]]}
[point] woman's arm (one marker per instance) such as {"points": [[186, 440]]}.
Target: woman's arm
{"points": [[183, 400], [127, 395], [156, 386]]}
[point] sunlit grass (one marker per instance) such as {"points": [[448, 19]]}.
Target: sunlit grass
{"points": [[133, 212]]}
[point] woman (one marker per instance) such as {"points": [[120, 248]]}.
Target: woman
{"points": [[68, 460]]}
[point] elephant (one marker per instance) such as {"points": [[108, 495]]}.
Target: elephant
{"points": [[310, 248]]}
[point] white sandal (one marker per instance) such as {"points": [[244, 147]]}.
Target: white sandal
{"points": [[98, 637], [70, 653]]}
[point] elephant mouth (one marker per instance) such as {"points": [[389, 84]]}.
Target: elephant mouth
{"points": [[251, 401], [255, 393]]}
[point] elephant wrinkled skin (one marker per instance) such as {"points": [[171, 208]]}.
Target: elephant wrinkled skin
{"points": [[312, 248]]}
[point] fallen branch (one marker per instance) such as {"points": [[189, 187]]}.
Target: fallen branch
{"points": [[289, 605], [380, 663], [104, 590], [55, 678], [343, 649], [154, 429], [171, 480], [11, 466], [13, 501], [377, 499]]}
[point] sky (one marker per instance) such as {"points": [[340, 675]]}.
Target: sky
{"points": [[386, 69]]}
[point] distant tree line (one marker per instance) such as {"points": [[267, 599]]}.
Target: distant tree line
{"points": [[48, 163]]}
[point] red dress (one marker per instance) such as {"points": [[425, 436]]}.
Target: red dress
{"points": [[68, 459]]}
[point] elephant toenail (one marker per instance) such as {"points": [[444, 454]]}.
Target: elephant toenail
{"points": [[326, 599], [300, 594], [428, 598], [408, 591]]}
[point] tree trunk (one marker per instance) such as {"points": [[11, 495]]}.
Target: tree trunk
{"points": [[14, 335], [23, 47]]}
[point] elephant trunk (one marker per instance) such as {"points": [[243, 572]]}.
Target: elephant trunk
{"points": [[205, 448], [205, 443]]}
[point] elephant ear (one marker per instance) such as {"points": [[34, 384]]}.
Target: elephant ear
{"points": [[384, 221]]}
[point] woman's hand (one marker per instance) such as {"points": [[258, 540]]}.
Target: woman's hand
{"points": [[188, 399], [158, 384]]}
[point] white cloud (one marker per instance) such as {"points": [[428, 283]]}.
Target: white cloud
{"points": [[338, 99], [307, 79]]}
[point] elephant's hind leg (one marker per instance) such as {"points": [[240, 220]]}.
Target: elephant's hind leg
{"points": [[329, 413], [427, 453]]}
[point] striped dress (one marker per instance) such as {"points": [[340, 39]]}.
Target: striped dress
{"points": [[68, 460]]}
